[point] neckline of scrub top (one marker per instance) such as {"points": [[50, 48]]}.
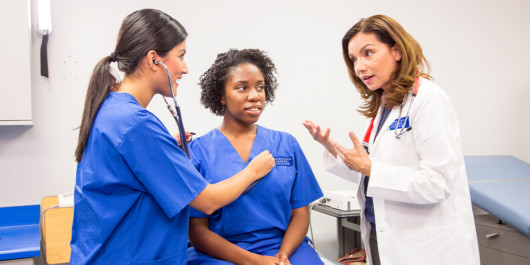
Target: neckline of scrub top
{"points": [[234, 151], [131, 98]]}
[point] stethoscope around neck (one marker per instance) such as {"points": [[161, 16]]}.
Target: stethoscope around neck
{"points": [[402, 129], [175, 112]]}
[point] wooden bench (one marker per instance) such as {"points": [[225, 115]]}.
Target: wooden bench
{"points": [[56, 231]]}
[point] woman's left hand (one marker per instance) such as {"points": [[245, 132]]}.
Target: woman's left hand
{"points": [[356, 158], [282, 258], [189, 137]]}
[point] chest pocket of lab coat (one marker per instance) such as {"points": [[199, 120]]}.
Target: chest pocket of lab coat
{"points": [[394, 151]]}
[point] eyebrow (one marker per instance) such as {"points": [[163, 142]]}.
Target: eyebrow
{"points": [[246, 82], [361, 49]]}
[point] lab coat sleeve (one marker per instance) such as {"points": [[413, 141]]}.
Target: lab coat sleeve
{"points": [[337, 167], [436, 141]]}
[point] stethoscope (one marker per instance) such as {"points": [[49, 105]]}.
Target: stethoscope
{"points": [[402, 129], [175, 112]]}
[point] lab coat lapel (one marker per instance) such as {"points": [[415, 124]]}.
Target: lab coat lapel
{"points": [[373, 139], [394, 113]]}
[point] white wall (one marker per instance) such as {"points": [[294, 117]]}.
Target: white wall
{"points": [[478, 51]]}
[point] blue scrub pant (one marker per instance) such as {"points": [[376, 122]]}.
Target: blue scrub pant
{"points": [[304, 255]]}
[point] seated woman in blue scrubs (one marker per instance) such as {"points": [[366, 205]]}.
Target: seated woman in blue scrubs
{"points": [[268, 223], [133, 183]]}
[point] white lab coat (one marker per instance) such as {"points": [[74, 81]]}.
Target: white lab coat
{"points": [[419, 186]]}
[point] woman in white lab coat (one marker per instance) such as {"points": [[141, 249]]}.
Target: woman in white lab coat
{"points": [[413, 187]]}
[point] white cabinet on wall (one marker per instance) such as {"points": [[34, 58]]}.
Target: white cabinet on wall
{"points": [[15, 74]]}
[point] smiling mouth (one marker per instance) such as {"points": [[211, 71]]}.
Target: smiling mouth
{"points": [[253, 109]]}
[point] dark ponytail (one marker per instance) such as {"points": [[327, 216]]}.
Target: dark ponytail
{"points": [[140, 32], [101, 83]]}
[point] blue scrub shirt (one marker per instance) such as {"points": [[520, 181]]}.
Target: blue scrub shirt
{"points": [[132, 191], [257, 220]]}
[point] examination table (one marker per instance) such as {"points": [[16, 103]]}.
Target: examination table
{"points": [[500, 185]]}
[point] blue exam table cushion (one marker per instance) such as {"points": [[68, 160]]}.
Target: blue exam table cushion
{"points": [[19, 242], [501, 186], [19, 232]]}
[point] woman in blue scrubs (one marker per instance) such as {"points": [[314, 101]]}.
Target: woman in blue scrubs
{"points": [[268, 223], [133, 183]]}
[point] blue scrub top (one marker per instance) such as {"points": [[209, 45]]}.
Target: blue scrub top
{"points": [[132, 191], [262, 215]]}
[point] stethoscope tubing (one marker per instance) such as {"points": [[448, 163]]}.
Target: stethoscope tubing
{"points": [[177, 115], [403, 130]]}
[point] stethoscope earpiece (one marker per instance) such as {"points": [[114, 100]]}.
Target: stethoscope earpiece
{"points": [[176, 113]]}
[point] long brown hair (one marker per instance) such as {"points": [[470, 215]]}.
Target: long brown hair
{"points": [[140, 32], [412, 62]]}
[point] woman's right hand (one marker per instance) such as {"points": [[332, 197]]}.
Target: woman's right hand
{"points": [[262, 164], [321, 136], [218, 195]]}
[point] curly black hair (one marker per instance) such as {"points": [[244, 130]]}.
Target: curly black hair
{"points": [[213, 81]]}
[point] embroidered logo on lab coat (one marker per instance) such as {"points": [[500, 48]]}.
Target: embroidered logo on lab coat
{"points": [[284, 161], [400, 125]]}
